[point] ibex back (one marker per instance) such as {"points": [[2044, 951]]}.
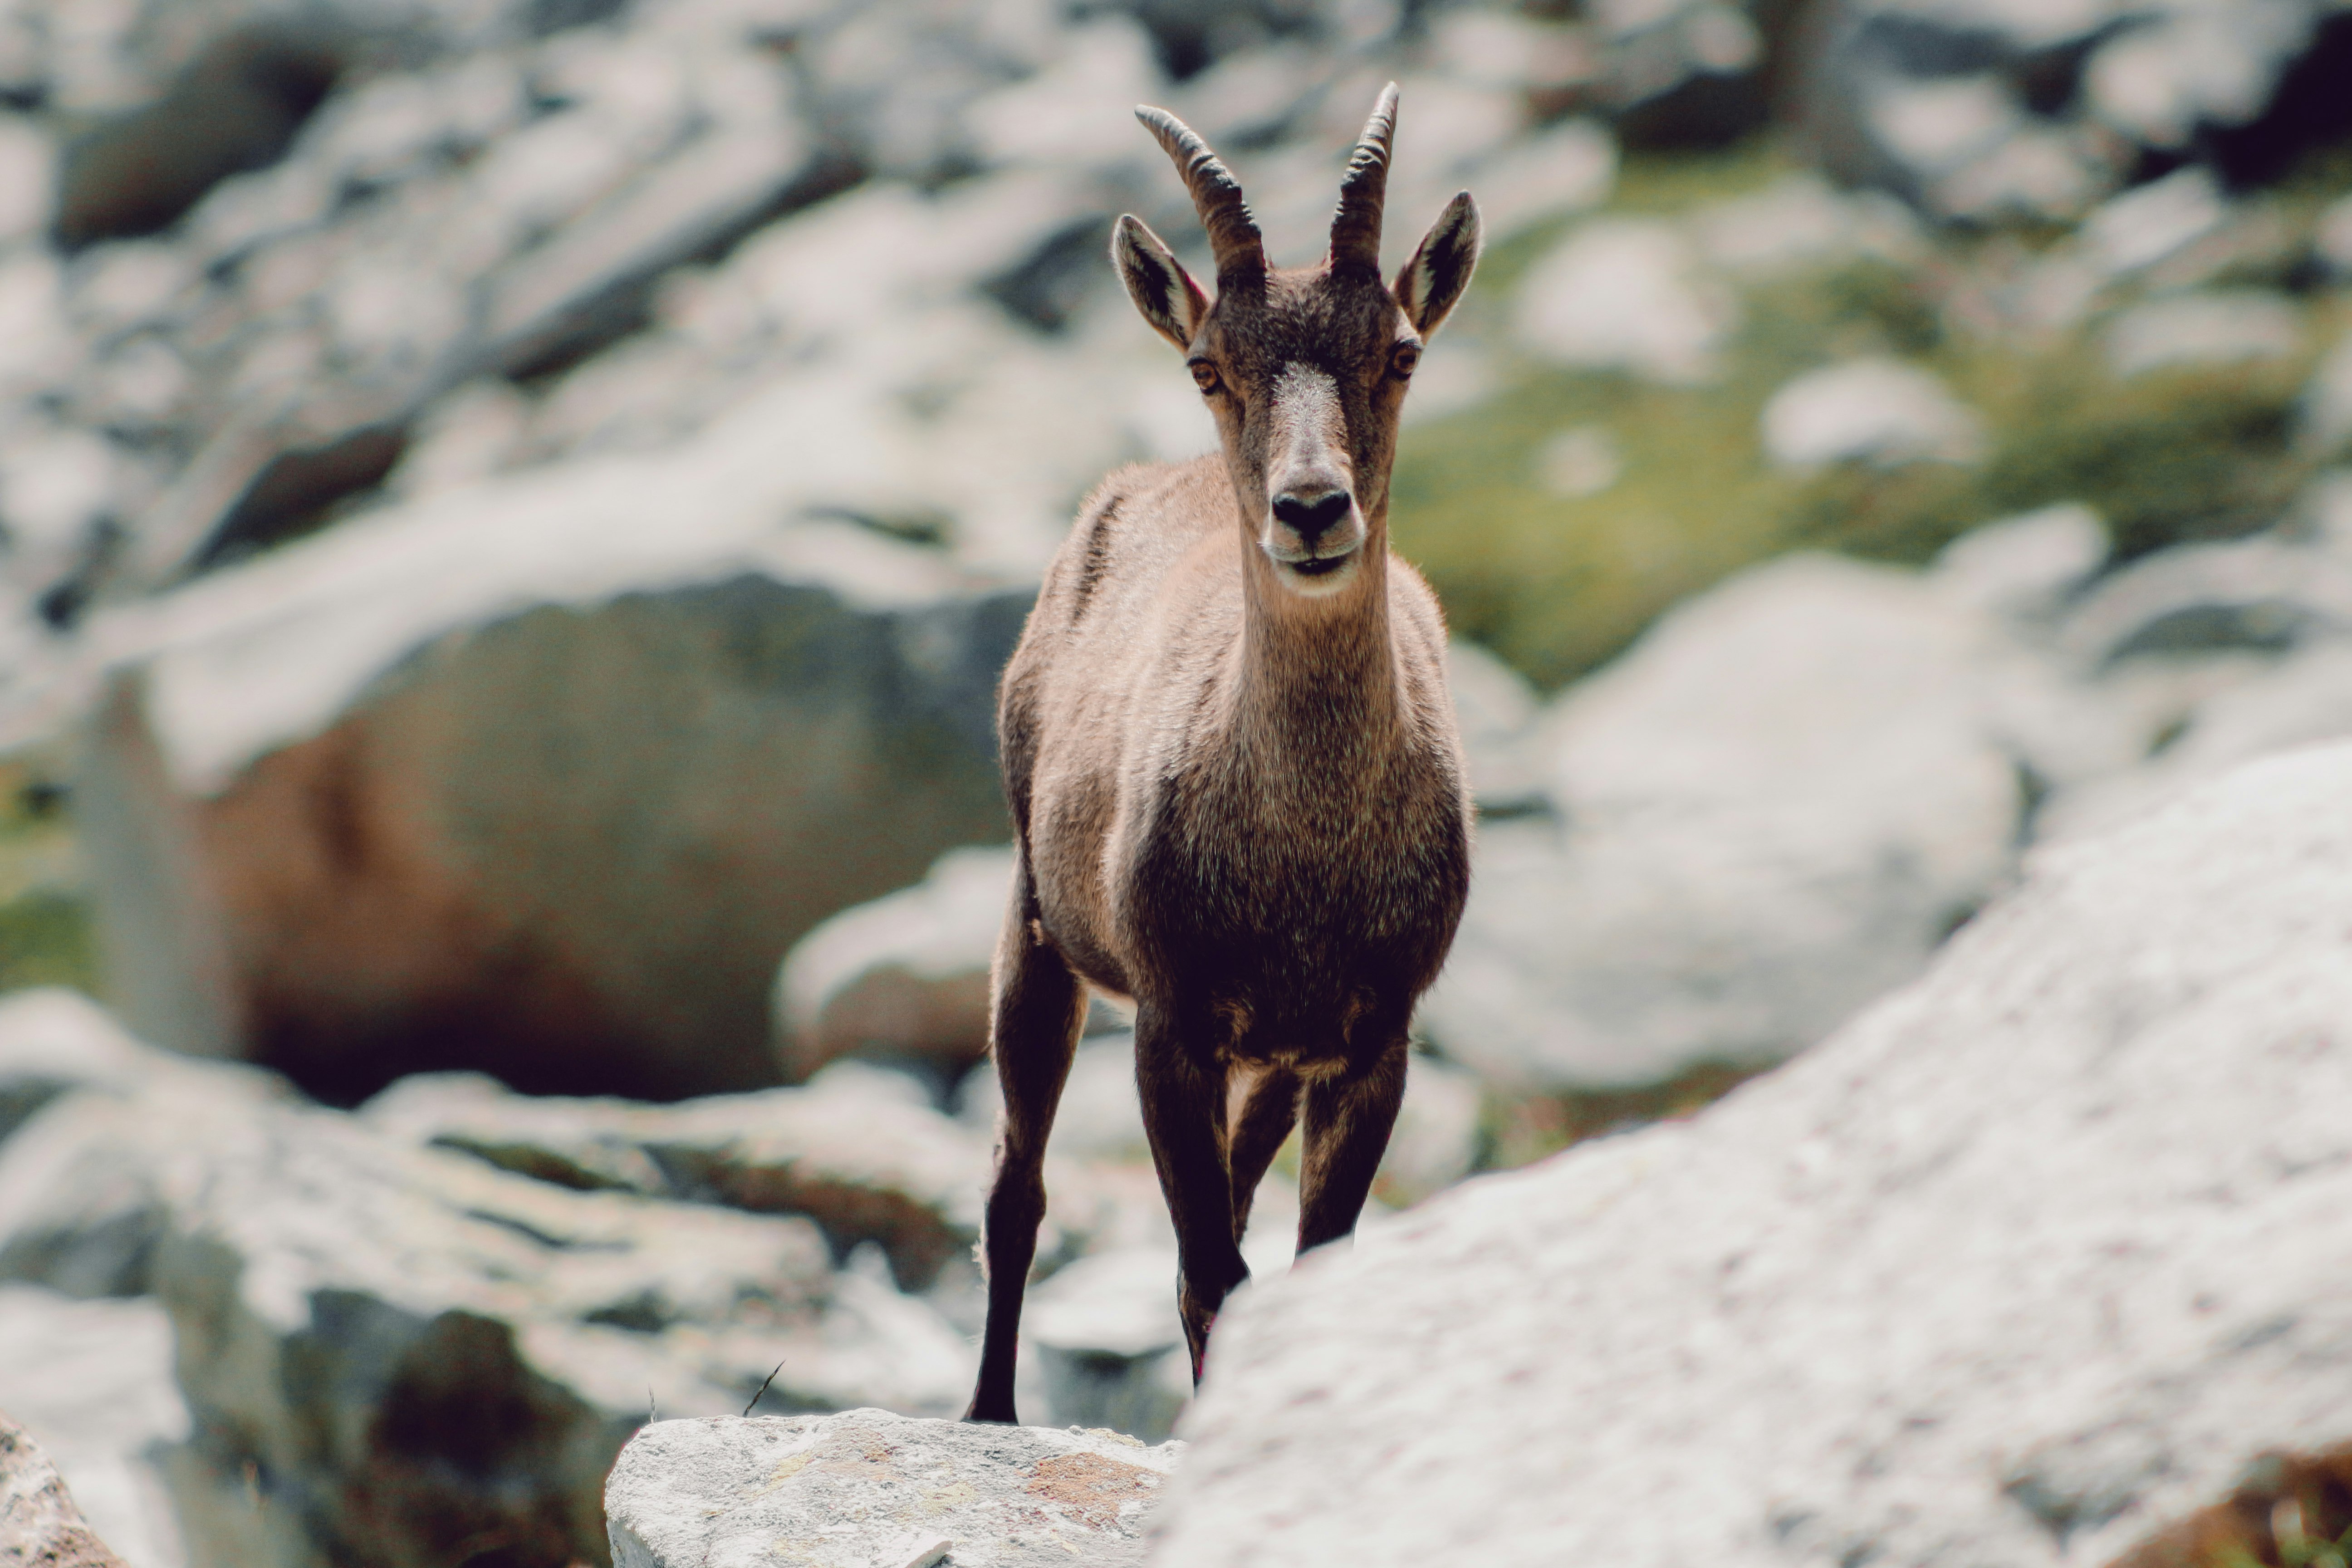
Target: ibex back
{"points": [[1237, 788]]}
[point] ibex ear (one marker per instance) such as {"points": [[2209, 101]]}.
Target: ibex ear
{"points": [[1440, 266], [1157, 282]]}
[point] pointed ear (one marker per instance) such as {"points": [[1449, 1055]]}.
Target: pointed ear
{"points": [[1440, 266], [1157, 282]]}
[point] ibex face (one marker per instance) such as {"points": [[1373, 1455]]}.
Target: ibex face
{"points": [[1305, 369]]}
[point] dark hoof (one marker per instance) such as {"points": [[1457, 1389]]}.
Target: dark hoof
{"points": [[997, 1415]]}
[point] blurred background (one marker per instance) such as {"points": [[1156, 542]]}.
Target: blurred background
{"points": [[510, 513]]}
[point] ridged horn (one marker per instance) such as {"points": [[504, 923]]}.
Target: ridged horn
{"points": [[1233, 239], [1364, 190]]}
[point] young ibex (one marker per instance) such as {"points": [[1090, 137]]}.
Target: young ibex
{"points": [[1236, 789]]}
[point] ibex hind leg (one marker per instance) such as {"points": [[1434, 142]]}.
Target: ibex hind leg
{"points": [[1039, 1008], [1256, 1132], [1348, 1122], [1184, 1116]]}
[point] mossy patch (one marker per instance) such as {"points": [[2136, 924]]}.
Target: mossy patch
{"points": [[45, 928], [1558, 582]]}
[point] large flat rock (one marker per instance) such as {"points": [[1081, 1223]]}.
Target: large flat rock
{"points": [[865, 1489], [2033, 1258]]}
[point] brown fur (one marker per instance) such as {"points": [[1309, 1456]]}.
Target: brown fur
{"points": [[1231, 758]]}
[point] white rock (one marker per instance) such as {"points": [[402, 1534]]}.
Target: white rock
{"points": [[2213, 328], [902, 977], [1496, 709], [1873, 410], [27, 172], [2195, 66], [91, 1381], [2024, 568], [2327, 411], [865, 1490], [1569, 168], [1937, 127], [40, 1521], [1626, 294], [1776, 805], [2143, 227], [2028, 1262], [1581, 461], [2332, 234]]}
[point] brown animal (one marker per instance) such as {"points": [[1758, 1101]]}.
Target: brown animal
{"points": [[1236, 789]]}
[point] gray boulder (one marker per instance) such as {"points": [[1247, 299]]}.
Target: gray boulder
{"points": [[904, 977], [38, 1522], [92, 1382], [1775, 806], [508, 780], [387, 1348], [868, 1165], [866, 1489], [2030, 1260]]}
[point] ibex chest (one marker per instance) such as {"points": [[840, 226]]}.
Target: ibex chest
{"points": [[1300, 921]]}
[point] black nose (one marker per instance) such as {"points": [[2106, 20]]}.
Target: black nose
{"points": [[1310, 516]]}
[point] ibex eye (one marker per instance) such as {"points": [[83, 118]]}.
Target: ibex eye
{"points": [[1401, 363], [1205, 375]]}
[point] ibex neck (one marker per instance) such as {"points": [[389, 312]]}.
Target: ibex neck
{"points": [[1318, 677]]}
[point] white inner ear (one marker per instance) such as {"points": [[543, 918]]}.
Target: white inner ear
{"points": [[1439, 272], [1156, 282]]}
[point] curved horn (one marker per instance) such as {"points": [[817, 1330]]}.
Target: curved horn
{"points": [[1364, 190], [1233, 239]]}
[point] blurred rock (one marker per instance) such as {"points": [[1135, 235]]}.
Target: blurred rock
{"points": [[1436, 1139], [2327, 421], [1777, 805], [2332, 235], [2143, 227], [2215, 328], [2261, 594], [1988, 111], [507, 781], [38, 1522], [91, 1381], [2021, 1160], [866, 1165], [2024, 568], [1496, 709], [1625, 294], [865, 1489], [903, 978], [1876, 411], [1108, 1344], [348, 1306]]}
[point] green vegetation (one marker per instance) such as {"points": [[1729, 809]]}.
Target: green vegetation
{"points": [[45, 936], [1556, 585]]}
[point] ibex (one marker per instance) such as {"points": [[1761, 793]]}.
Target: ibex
{"points": [[1236, 789]]}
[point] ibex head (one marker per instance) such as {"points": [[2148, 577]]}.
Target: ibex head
{"points": [[1305, 369]]}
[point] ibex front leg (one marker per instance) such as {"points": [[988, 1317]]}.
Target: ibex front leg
{"points": [[1347, 1121], [1184, 1117], [1040, 1007]]}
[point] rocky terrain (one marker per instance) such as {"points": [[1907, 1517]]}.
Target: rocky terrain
{"points": [[509, 514], [2030, 1263]]}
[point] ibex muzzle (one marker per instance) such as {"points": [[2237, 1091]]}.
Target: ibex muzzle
{"points": [[1313, 525]]}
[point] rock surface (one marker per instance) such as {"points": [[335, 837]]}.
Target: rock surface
{"points": [[349, 1304], [363, 809], [2032, 1258], [91, 1382], [864, 1488], [39, 1525], [1772, 809]]}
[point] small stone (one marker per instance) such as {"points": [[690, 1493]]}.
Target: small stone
{"points": [[1878, 411], [1626, 294], [2211, 328]]}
